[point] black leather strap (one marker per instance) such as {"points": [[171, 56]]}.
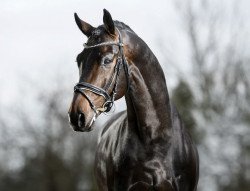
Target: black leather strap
{"points": [[124, 61], [92, 88], [92, 105]]}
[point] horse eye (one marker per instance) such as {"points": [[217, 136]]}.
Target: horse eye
{"points": [[107, 61]]}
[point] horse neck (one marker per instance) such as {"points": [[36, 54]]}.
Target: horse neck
{"points": [[147, 101]]}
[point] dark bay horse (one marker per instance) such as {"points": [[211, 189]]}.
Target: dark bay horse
{"points": [[146, 147]]}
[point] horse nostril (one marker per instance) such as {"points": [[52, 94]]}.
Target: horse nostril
{"points": [[81, 120]]}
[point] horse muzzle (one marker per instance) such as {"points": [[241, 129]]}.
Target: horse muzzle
{"points": [[79, 122]]}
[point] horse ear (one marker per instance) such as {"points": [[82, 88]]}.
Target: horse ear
{"points": [[108, 22], [83, 26]]}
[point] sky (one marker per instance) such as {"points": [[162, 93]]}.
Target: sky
{"points": [[40, 40]]}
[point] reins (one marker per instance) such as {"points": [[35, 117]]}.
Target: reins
{"points": [[81, 87]]}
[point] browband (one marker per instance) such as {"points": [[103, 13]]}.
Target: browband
{"points": [[103, 44]]}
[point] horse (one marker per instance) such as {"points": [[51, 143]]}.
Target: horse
{"points": [[146, 147]]}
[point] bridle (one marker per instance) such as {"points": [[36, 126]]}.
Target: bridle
{"points": [[81, 87]]}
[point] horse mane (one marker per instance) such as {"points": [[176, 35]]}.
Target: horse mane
{"points": [[123, 26]]}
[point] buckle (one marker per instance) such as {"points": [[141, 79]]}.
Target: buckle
{"points": [[120, 44]]}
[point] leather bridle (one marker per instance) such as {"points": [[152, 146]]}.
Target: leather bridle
{"points": [[81, 87]]}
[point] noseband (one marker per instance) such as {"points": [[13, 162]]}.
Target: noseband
{"points": [[109, 98]]}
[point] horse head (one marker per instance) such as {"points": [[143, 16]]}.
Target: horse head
{"points": [[103, 70]]}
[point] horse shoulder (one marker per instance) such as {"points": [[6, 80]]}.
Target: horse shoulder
{"points": [[114, 121], [107, 148]]}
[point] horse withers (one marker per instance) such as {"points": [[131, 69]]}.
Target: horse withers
{"points": [[146, 147]]}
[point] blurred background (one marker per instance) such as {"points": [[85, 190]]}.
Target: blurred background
{"points": [[203, 47]]}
